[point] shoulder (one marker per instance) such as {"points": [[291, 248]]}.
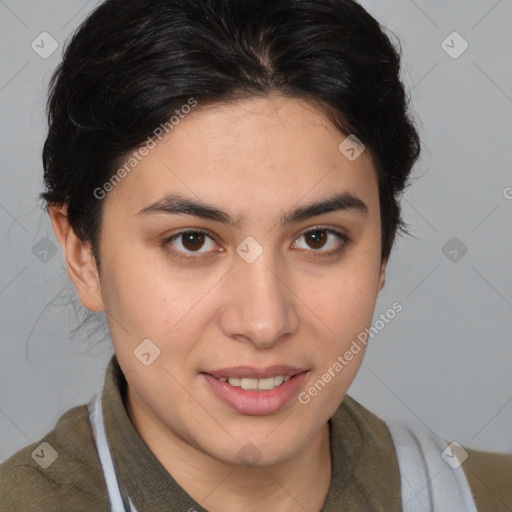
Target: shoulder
{"points": [[488, 474], [375, 428], [363, 454], [60, 470], [490, 479]]}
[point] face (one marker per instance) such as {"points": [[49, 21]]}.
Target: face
{"points": [[240, 278]]}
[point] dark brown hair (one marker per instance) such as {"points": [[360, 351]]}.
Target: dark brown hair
{"points": [[132, 63]]}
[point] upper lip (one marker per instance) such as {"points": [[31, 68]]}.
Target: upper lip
{"points": [[256, 373]]}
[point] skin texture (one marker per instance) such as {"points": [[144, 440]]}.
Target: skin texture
{"points": [[257, 158]]}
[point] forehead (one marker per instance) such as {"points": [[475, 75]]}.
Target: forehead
{"points": [[253, 152]]}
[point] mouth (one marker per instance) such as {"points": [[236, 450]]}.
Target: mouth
{"points": [[253, 384], [253, 391]]}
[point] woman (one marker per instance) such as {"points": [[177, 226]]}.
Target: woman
{"points": [[222, 177]]}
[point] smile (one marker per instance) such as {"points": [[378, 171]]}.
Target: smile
{"points": [[255, 396], [256, 384]]}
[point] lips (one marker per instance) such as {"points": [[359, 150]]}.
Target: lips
{"points": [[256, 391]]}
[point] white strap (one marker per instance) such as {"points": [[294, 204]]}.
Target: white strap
{"points": [[98, 431], [428, 482]]}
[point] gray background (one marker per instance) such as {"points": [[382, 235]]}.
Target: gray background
{"points": [[445, 360]]}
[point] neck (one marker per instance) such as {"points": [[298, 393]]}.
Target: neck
{"points": [[299, 483]]}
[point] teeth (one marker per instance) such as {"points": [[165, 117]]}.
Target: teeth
{"points": [[265, 384], [256, 384], [249, 383], [234, 381]]}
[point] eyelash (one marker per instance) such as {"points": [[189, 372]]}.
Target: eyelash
{"points": [[344, 239]]}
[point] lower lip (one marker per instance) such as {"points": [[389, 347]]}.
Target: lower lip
{"points": [[256, 403]]}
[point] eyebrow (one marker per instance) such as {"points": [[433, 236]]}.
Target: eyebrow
{"points": [[177, 204]]}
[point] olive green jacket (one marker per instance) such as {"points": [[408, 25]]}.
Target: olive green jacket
{"points": [[365, 472]]}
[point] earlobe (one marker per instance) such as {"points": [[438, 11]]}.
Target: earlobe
{"points": [[79, 259], [382, 276]]}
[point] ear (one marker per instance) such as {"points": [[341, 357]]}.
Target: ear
{"points": [[79, 260], [382, 275]]}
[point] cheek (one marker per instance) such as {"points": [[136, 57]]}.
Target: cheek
{"points": [[137, 289], [149, 302], [347, 300], [345, 310]]}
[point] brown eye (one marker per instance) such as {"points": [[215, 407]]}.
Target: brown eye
{"points": [[322, 242], [192, 241], [317, 238], [188, 243], [193, 244]]}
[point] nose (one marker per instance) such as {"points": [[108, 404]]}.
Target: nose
{"points": [[259, 307]]}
